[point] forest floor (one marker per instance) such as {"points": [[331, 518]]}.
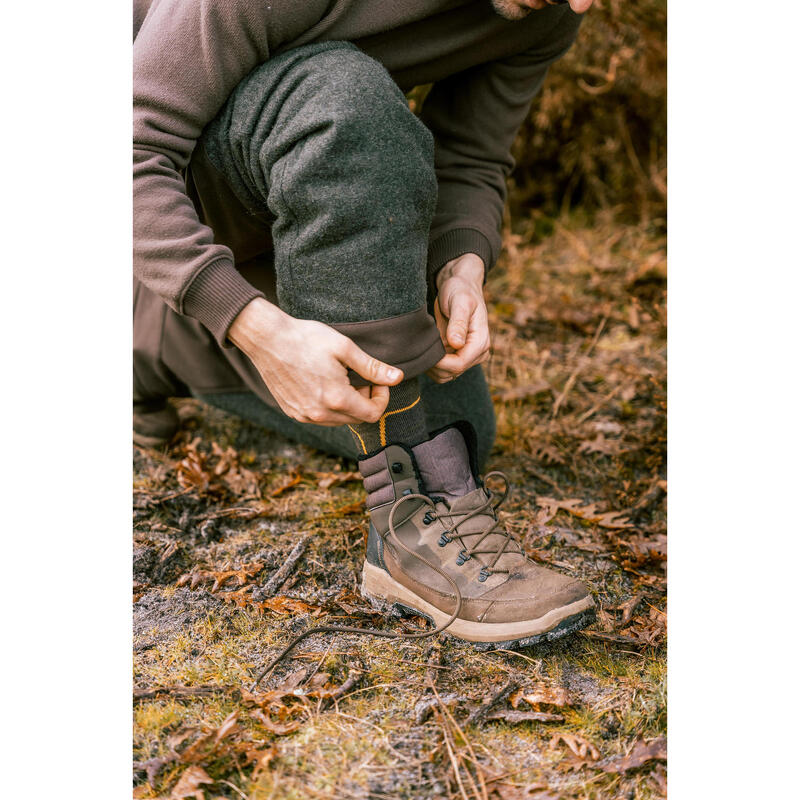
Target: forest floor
{"points": [[578, 373]]}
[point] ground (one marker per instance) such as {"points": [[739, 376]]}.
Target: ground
{"points": [[578, 374]]}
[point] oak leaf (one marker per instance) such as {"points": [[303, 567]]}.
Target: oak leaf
{"points": [[189, 784]]}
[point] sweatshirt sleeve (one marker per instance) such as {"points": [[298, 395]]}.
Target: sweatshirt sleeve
{"points": [[187, 57], [474, 117]]}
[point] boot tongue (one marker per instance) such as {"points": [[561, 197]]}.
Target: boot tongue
{"points": [[443, 464]]}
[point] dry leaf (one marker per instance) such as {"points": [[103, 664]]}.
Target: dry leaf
{"points": [[208, 743], [261, 759], [577, 744], [296, 477], [601, 445], [279, 729], [190, 782], [615, 520], [327, 479], [551, 695], [641, 753]]}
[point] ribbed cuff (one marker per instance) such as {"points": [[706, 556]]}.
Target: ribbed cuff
{"points": [[216, 296], [453, 244]]}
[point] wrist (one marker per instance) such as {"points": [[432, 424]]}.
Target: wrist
{"points": [[468, 267], [256, 323]]}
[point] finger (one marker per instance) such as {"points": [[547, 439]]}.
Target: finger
{"points": [[461, 311], [368, 367], [361, 408], [472, 353]]}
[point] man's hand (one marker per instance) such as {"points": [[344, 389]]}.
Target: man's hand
{"points": [[461, 317], [303, 363]]}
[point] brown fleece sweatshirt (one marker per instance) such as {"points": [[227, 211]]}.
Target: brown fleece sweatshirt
{"points": [[188, 55]]}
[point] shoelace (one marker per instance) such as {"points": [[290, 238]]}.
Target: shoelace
{"points": [[468, 552], [438, 629]]}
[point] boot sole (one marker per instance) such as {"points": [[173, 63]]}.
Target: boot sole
{"points": [[384, 593]]}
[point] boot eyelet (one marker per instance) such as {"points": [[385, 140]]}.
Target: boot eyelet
{"points": [[397, 467], [428, 518], [484, 574], [444, 539], [462, 558]]}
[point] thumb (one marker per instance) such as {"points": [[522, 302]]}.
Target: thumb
{"points": [[460, 313], [369, 368]]}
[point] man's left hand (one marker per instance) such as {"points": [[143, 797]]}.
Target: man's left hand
{"points": [[461, 316]]}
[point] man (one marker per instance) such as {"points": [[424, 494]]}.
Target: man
{"points": [[311, 255]]}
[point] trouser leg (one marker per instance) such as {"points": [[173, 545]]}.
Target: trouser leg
{"points": [[323, 138]]}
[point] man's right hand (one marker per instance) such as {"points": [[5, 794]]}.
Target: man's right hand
{"points": [[304, 365]]}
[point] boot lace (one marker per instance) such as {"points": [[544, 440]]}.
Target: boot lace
{"points": [[473, 550]]}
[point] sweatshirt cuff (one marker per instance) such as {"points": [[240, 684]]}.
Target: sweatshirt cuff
{"points": [[216, 296], [455, 243]]}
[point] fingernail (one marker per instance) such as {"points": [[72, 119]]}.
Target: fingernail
{"points": [[393, 374]]}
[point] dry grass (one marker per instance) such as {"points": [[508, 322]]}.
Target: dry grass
{"points": [[578, 371]]}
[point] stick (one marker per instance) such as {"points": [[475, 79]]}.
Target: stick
{"points": [[280, 574], [180, 691], [479, 714]]}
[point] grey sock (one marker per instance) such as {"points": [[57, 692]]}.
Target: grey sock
{"points": [[444, 467], [402, 422]]}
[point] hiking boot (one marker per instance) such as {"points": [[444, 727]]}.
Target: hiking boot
{"points": [[436, 547], [155, 422]]}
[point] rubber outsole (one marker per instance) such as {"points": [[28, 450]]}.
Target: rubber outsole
{"points": [[388, 596]]}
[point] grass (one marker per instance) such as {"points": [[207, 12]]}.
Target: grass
{"points": [[578, 372]]}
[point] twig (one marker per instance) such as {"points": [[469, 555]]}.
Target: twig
{"points": [[479, 714], [280, 574], [181, 691], [598, 405]]}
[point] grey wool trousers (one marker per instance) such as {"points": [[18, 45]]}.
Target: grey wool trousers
{"points": [[322, 182]]}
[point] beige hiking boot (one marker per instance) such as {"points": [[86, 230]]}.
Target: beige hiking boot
{"points": [[436, 548]]}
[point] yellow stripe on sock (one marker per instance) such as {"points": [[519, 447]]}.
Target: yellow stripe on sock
{"points": [[382, 421], [359, 438]]}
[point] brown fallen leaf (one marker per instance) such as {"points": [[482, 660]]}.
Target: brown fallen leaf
{"points": [[295, 478], [550, 695], [601, 445], [189, 784], [239, 577], [278, 728], [627, 608], [152, 767], [614, 520], [642, 752], [261, 759], [327, 479], [209, 742], [350, 508], [577, 744]]}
